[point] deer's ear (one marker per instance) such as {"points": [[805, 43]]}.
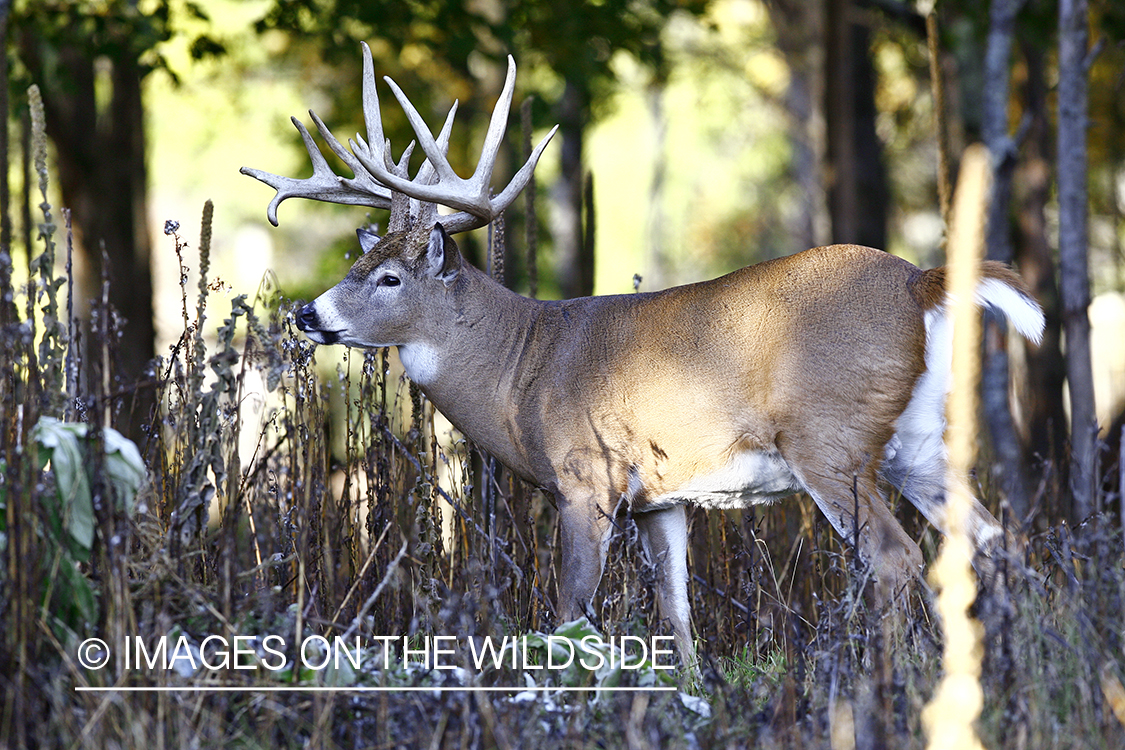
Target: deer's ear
{"points": [[367, 240], [443, 259]]}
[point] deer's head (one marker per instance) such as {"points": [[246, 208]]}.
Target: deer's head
{"points": [[399, 282], [389, 293]]}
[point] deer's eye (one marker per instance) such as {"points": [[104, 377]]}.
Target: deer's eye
{"points": [[390, 280]]}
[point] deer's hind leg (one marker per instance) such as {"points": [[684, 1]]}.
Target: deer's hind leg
{"points": [[664, 535], [858, 511], [915, 463]]}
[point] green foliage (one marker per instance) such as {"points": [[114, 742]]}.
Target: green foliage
{"points": [[426, 42], [65, 448], [118, 29], [746, 667], [435, 50], [64, 451]]}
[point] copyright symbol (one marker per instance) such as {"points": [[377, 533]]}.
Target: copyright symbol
{"points": [[93, 653]]}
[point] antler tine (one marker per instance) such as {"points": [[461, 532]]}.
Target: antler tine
{"points": [[373, 118], [371, 114], [523, 176], [377, 180], [434, 154], [496, 126], [404, 209], [323, 185], [363, 182], [407, 211], [428, 172], [470, 196]]}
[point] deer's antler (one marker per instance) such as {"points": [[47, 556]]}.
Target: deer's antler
{"points": [[378, 180]]}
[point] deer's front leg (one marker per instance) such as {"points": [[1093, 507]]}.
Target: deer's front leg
{"points": [[585, 526]]}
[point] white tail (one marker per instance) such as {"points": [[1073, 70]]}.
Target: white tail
{"points": [[821, 372]]}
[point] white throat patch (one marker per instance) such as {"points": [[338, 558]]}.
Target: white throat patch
{"points": [[421, 362]]}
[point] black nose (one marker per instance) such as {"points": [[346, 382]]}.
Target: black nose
{"points": [[306, 318]]}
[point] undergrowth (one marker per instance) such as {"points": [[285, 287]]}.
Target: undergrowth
{"points": [[281, 495]]}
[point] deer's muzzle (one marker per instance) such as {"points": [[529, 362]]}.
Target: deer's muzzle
{"points": [[309, 322]]}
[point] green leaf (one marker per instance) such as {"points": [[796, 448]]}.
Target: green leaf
{"points": [[124, 466], [63, 445], [59, 444]]}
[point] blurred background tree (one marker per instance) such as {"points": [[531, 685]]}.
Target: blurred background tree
{"points": [[565, 50], [90, 60]]}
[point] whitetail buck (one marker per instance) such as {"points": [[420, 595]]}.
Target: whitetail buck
{"points": [[822, 372]]}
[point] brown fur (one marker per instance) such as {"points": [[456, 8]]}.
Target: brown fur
{"points": [[810, 358], [928, 287]]}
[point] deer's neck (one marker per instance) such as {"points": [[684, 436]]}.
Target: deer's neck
{"points": [[468, 366]]}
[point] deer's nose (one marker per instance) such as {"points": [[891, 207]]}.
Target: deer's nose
{"points": [[307, 319]]}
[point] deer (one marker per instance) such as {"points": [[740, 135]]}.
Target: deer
{"points": [[824, 372]]}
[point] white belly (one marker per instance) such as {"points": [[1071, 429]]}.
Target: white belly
{"points": [[750, 478]]}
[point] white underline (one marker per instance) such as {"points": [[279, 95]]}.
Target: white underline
{"points": [[360, 689]]}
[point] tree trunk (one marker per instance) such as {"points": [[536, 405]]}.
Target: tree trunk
{"points": [[7, 306], [1074, 273], [800, 35], [1046, 367], [103, 180], [994, 374], [575, 260], [857, 181]]}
